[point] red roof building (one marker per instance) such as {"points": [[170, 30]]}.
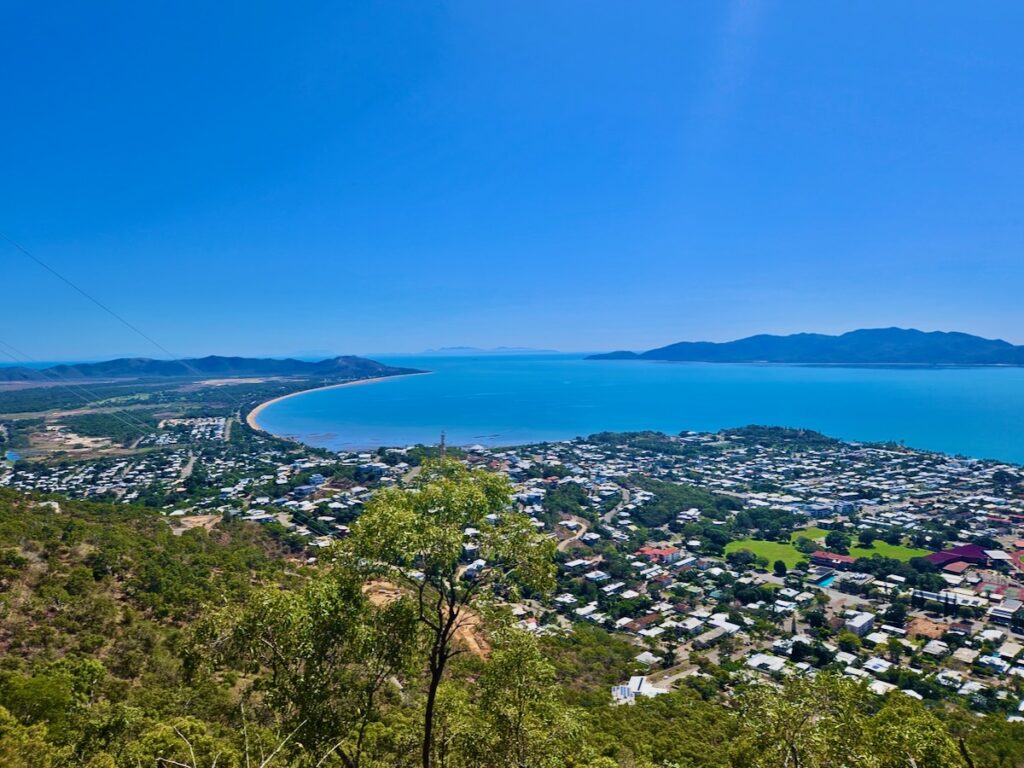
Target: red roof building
{"points": [[644, 621], [832, 559], [966, 553], [660, 554]]}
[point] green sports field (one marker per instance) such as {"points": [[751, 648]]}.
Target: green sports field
{"points": [[772, 550], [790, 555]]}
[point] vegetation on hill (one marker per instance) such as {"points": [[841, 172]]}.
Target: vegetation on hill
{"points": [[655, 442], [123, 400], [672, 498], [876, 346], [195, 368], [781, 437], [120, 426], [125, 645]]}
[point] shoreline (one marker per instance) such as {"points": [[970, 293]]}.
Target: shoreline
{"points": [[253, 415]]}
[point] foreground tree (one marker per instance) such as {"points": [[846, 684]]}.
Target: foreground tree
{"points": [[322, 658], [24, 746], [831, 722], [414, 538], [525, 722]]}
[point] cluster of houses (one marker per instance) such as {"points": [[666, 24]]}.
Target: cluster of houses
{"points": [[673, 595], [675, 599], [122, 477], [196, 430], [161, 459], [299, 495]]}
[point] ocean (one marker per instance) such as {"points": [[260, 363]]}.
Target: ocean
{"points": [[514, 399]]}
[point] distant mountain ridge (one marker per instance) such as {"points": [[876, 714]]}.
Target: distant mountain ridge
{"points": [[875, 346], [199, 367]]}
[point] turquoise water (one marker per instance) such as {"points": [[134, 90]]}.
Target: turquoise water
{"points": [[11, 456], [504, 400]]}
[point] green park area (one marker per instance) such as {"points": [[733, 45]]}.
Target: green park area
{"points": [[790, 555]]}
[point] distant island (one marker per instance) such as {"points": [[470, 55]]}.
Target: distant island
{"points": [[876, 346], [348, 367], [490, 351]]}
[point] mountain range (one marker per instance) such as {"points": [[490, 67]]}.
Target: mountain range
{"points": [[348, 367], [874, 346]]}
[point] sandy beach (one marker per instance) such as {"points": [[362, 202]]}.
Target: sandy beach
{"points": [[251, 418]]}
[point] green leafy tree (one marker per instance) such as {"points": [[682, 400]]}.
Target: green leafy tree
{"points": [[827, 721], [837, 541], [849, 642], [322, 657], [184, 742], [895, 649], [904, 733], [896, 613], [805, 545], [892, 536], [780, 568], [522, 719], [414, 538], [25, 746]]}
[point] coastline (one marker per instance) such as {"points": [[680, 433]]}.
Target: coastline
{"points": [[253, 415]]}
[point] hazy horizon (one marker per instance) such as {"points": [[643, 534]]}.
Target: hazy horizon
{"points": [[417, 176], [441, 351]]}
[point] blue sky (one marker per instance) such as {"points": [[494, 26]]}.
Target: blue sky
{"points": [[275, 178]]}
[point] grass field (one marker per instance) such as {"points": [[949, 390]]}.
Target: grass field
{"points": [[787, 553], [772, 550], [818, 534], [895, 551]]}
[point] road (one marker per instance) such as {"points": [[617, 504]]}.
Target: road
{"points": [[607, 517], [666, 678], [584, 527], [187, 469]]}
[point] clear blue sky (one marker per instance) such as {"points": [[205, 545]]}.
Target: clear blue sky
{"points": [[272, 178]]}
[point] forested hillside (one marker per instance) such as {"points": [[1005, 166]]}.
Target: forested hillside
{"points": [[870, 346], [123, 644], [347, 366]]}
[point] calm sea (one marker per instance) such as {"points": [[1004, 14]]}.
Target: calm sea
{"points": [[505, 400]]}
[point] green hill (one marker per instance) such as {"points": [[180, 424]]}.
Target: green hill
{"points": [[877, 346], [116, 640]]}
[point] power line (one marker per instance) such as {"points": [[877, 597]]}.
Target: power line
{"points": [[56, 379], [135, 329], [126, 420], [25, 252]]}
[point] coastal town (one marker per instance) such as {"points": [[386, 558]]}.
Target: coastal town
{"points": [[508, 385], [753, 553]]}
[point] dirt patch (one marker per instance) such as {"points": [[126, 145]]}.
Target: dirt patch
{"points": [[469, 635], [381, 592], [225, 382], [922, 627], [59, 437], [183, 524]]}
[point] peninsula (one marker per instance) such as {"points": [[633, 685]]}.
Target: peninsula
{"points": [[347, 366], [878, 346]]}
